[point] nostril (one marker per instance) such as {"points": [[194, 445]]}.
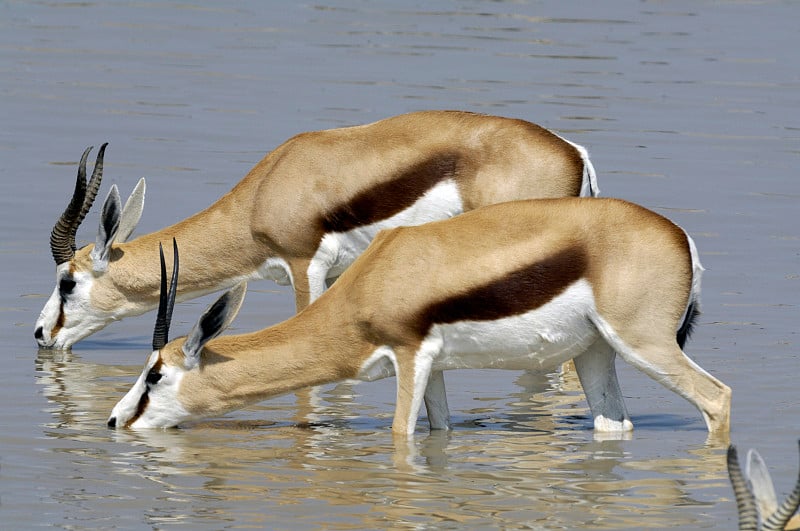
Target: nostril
{"points": [[39, 333], [112, 422]]}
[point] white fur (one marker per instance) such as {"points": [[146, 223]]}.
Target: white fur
{"points": [[52, 309], [589, 187], [337, 250], [539, 339], [428, 351], [163, 407], [276, 269], [77, 311], [697, 268], [126, 407], [381, 364], [605, 425]]}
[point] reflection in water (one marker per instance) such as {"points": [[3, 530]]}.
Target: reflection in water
{"points": [[682, 106], [529, 460]]}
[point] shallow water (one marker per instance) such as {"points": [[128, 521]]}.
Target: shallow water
{"points": [[690, 108]]}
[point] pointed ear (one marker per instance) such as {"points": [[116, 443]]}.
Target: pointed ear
{"points": [[761, 484], [107, 231], [213, 321], [131, 212]]}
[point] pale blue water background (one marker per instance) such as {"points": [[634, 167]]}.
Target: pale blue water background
{"points": [[690, 108]]}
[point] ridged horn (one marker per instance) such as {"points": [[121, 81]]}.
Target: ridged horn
{"points": [[62, 237], [91, 189], [746, 505], [167, 298], [784, 513]]}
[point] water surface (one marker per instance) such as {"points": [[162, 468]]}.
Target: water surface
{"points": [[689, 108]]}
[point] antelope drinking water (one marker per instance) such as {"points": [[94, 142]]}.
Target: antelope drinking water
{"points": [[304, 212], [524, 284]]}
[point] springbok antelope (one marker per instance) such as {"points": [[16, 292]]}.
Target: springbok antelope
{"points": [[524, 284], [755, 496], [305, 212]]}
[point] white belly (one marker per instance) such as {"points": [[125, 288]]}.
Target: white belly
{"points": [[538, 339], [338, 250]]}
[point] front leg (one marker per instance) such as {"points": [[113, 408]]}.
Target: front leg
{"points": [[413, 369], [300, 283], [316, 275], [319, 267]]}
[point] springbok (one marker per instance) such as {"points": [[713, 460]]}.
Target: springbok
{"points": [[524, 284], [305, 212], [755, 496]]}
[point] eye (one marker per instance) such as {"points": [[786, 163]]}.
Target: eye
{"points": [[65, 286], [153, 376]]}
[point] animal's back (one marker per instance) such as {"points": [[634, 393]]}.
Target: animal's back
{"points": [[512, 257], [492, 159]]}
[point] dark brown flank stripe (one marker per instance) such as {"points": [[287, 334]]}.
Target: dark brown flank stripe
{"points": [[520, 291], [145, 398], [388, 198]]}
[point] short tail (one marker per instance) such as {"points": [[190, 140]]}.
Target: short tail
{"points": [[589, 186], [693, 306], [687, 326]]}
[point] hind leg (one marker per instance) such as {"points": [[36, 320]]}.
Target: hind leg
{"points": [[598, 378], [436, 402], [659, 356]]}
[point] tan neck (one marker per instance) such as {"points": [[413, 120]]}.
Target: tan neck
{"points": [[217, 251], [307, 350]]}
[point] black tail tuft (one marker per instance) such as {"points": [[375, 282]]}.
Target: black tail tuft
{"points": [[692, 313]]}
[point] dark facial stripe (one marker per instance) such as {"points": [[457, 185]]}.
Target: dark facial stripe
{"points": [[145, 398], [143, 401], [59, 321], [389, 198], [61, 317], [522, 290]]}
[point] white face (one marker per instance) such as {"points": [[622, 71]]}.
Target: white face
{"points": [[152, 402], [68, 315]]}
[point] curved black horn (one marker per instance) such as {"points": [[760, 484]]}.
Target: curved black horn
{"points": [[91, 189], [746, 505], [167, 298], [62, 238], [784, 513]]}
